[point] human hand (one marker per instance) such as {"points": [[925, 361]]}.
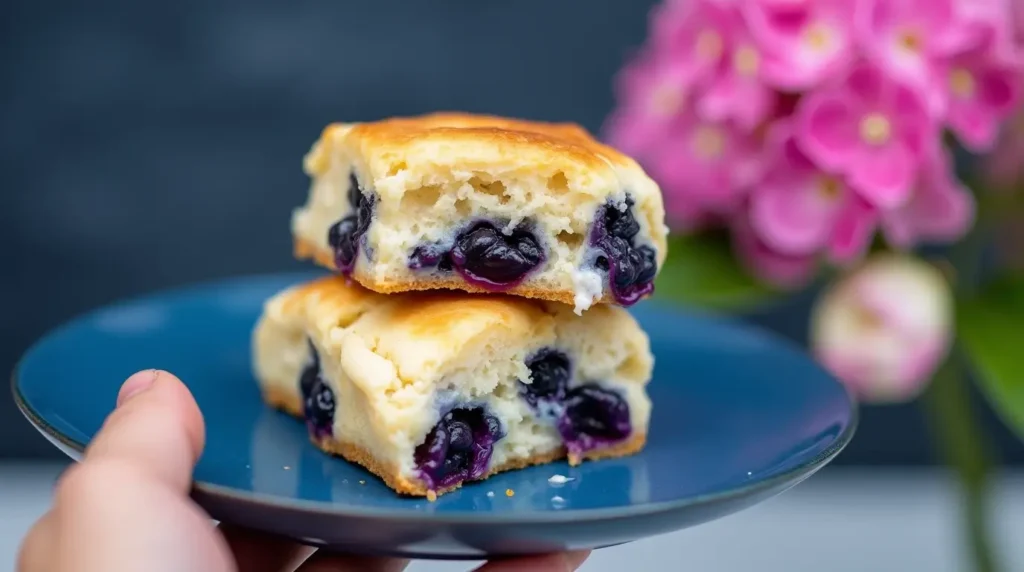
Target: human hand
{"points": [[126, 506]]}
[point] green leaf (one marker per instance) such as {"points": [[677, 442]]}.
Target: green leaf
{"points": [[702, 270], [990, 326]]}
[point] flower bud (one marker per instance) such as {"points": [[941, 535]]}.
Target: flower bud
{"points": [[884, 328]]}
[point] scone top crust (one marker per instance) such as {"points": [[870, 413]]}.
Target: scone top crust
{"points": [[425, 335], [446, 170], [320, 305], [471, 140]]}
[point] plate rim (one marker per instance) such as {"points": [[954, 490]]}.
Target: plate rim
{"points": [[790, 477]]}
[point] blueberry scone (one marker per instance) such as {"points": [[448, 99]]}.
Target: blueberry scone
{"points": [[482, 204], [432, 389]]}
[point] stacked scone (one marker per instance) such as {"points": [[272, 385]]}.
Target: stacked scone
{"points": [[474, 322]]}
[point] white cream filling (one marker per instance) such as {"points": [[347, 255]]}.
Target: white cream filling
{"points": [[588, 286]]}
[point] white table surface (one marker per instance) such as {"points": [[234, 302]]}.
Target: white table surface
{"points": [[842, 520]]}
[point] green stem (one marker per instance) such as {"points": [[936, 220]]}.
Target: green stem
{"points": [[963, 443], [964, 448]]}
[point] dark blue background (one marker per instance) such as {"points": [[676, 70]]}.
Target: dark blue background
{"points": [[151, 144]]}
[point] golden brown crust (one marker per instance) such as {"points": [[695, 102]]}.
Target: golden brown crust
{"points": [[568, 141], [356, 454], [305, 250]]}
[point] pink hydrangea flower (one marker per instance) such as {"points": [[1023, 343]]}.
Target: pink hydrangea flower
{"points": [[695, 32], [804, 42], [652, 91], [906, 37], [712, 41], [978, 18], [713, 163], [884, 329], [957, 53], [940, 209], [773, 267], [870, 129], [980, 89], [798, 209]]}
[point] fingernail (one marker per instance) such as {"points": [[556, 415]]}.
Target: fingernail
{"points": [[136, 384]]}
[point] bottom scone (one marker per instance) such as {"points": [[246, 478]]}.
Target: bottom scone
{"points": [[430, 390]]}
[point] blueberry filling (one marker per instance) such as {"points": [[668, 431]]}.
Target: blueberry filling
{"points": [[310, 372], [345, 236], [549, 374], [354, 191], [430, 256], [484, 255], [319, 409], [631, 269], [593, 416], [458, 448], [317, 398]]}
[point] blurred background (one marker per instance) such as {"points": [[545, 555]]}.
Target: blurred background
{"points": [[142, 141]]}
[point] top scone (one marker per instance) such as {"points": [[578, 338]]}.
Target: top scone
{"points": [[482, 204]]}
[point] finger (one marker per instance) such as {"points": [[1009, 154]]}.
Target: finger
{"points": [[36, 550], [564, 562], [327, 562], [258, 552], [157, 427], [112, 515]]}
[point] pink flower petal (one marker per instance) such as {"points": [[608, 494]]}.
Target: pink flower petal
{"points": [[940, 209], [711, 164], [946, 216], [908, 112], [697, 34], [803, 43], [982, 90], [791, 215], [883, 174], [902, 36], [852, 232], [998, 88], [745, 101], [827, 130], [975, 126], [921, 362], [652, 93], [867, 83]]}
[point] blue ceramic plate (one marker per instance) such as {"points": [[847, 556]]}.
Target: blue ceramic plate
{"points": [[739, 416]]}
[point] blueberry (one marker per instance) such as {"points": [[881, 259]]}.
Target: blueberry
{"points": [[485, 255], [630, 268], [310, 373], [458, 448], [593, 415], [319, 409], [430, 256], [460, 436], [354, 192], [649, 264], [621, 223], [549, 373], [344, 236]]}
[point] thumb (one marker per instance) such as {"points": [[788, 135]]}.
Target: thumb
{"points": [[157, 428]]}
